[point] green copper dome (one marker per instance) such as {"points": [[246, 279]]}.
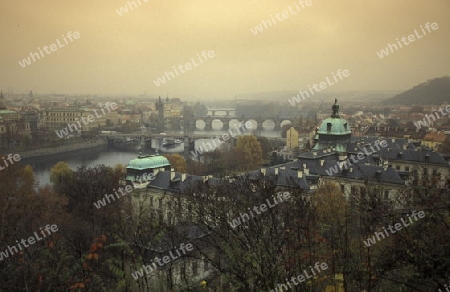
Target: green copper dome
{"points": [[147, 162], [335, 125], [335, 132]]}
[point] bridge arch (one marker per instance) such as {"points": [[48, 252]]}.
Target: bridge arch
{"points": [[269, 125], [215, 120], [285, 122], [200, 124], [233, 124], [254, 123]]}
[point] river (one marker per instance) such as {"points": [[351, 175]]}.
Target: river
{"points": [[109, 157]]}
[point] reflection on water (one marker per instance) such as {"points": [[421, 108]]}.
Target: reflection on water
{"points": [[89, 158], [111, 157]]}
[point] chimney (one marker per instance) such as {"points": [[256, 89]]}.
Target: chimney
{"points": [[306, 170], [155, 171], [205, 178], [322, 161], [172, 175], [299, 174], [393, 140], [304, 165], [351, 169], [405, 146], [276, 170], [263, 171], [183, 177]]}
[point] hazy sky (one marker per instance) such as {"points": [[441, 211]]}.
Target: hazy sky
{"points": [[124, 54]]}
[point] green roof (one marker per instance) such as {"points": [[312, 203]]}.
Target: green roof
{"points": [[147, 162], [335, 125], [339, 126], [5, 111]]}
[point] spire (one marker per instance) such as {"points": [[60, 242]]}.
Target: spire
{"points": [[335, 108], [2, 101]]}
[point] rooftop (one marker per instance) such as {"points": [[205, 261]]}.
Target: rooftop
{"points": [[148, 162]]}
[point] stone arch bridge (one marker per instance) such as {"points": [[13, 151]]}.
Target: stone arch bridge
{"points": [[226, 120]]}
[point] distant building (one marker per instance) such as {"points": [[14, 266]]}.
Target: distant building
{"points": [[292, 138], [434, 140], [12, 126], [58, 118]]}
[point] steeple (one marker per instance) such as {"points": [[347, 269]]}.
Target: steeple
{"points": [[2, 101], [335, 108]]}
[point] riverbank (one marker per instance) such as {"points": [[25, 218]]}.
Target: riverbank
{"points": [[66, 148]]}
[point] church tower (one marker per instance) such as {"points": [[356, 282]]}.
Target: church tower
{"points": [[2, 101]]}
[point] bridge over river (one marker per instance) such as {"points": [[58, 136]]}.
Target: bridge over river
{"points": [[141, 141]]}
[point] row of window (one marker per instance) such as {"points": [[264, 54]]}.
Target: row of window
{"points": [[16, 128], [77, 114], [362, 191], [195, 268], [414, 171], [61, 119]]}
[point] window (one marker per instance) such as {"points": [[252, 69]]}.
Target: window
{"points": [[190, 211], [169, 217], [160, 203], [397, 167], [183, 271], [386, 195], [194, 269], [160, 216], [406, 168]]}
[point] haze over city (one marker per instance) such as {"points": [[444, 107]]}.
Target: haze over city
{"points": [[226, 146], [123, 54]]}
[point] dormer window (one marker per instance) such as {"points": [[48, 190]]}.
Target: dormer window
{"points": [[328, 127]]}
